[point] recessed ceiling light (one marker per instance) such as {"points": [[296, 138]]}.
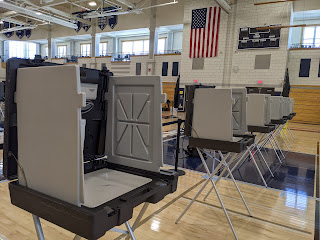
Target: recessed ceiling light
{"points": [[38, 13], [92, 4]]}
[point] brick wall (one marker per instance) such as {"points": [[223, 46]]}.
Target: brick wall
{"points": [[295, 57], [234, 67]]}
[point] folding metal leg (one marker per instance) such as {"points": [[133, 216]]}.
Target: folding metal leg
{"points": [[236, 185], [288, 148], [139, 217], [255, 163], [276, 142], [274, 149], [215, 188], [220, 176], [290, 133], [243, 157], [37, 225], [130, 231], [285, 135], [258, 149]]}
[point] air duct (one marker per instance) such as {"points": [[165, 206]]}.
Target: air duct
{"points": [[225, 5]]}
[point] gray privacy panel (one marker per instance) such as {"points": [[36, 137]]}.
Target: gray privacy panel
{"points": [[134, 128], [197, 63], [258, 110], [262, 61], [49, 130], [276, 107], [239, 111], [212, 114]]}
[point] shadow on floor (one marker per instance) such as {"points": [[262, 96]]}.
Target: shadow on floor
{"points": [[295, 174]]}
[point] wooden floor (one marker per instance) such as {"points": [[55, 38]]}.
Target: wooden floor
{"points": [[276, 215]]}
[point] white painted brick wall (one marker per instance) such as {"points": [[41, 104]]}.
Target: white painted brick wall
{"points": [[217, 70], [295, 57], [213, 67]]}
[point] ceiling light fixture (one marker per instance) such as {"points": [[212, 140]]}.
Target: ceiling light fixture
{"points": [[92, 4], [38, 13]]}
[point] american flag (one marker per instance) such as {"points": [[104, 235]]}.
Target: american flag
{"points": [[204, 32]]}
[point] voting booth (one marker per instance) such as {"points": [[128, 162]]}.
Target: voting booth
{"points": [[259, 110], [86, 147], [216, 121]]}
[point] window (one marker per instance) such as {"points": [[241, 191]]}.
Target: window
{"points": [[161, 45], [141, 47], [31, 50], [17, 49], [311, 36], [62, 51], [46, 51], [22, 49], [85, 50], [103, 47], [137, 47]]}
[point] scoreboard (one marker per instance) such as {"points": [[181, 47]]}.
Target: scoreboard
{"points": [[253, 38]]}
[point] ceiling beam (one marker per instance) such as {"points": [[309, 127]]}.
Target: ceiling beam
{"points": [[282, 1], [6, 14], [127, 3], [15, 21], [289, 26], [33, 13], [17, 28]]}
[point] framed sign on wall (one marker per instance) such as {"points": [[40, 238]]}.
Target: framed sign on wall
{"points": [[254, 38]]}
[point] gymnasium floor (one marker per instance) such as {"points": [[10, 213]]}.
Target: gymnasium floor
{"points": [[277, 213]]}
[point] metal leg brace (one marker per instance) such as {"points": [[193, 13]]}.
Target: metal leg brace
{"points": [[210, 176], [37, 225]]}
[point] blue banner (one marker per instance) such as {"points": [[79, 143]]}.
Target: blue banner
{"points": [[8, 25]]}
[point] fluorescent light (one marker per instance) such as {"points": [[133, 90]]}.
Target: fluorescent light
{"points": [[92, 4], [38, 13]]}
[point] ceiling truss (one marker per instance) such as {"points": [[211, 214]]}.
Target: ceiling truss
{"points": [[31, 13]]}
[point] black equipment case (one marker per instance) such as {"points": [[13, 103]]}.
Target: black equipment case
{"points": [[90, 223]]}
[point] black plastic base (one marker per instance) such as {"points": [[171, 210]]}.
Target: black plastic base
{"points": [[93, 223], [279, 121], [258, 129], [225, 146]]}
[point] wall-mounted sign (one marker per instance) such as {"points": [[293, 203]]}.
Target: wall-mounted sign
{"points": [[252, 38]]}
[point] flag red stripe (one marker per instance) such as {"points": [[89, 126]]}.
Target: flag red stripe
{"points": [[209, 25], [213, 25], [190, 53], [217, 34], [203, 40], [199, 41], [195, 43]]}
